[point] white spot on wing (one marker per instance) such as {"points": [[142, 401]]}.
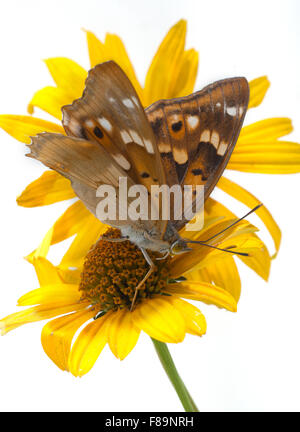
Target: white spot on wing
{"points": [[122, 161], [180, 155], [136, 138], [74, 126], [89, 123], [215, 139], [164, 147], [193, 121], [222, 148], [231, 111], [135, 100], [125, 137], [106, 124], [66, 118], [175, 118], [205, 136], [128, 103], [149, 146]]}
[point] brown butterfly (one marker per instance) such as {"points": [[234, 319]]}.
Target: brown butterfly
{"points": [[184, 141]]}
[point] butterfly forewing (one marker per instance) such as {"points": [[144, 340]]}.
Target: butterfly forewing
{"points": [[196, 134], [111, 114]]}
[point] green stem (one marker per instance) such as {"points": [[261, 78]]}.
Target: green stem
{"points": [[170, 368]]}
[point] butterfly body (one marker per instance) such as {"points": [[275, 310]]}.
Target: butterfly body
{"points": [[145, 239], [183, 141]]}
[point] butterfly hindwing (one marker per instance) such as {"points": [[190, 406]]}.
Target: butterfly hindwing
{"points": [[88, 166], [196, 134]]}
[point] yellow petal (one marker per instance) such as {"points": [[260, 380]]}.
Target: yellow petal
{"points": [[276, 157], [241, 194], [46, 272], [214, 209], [88, 346], [122, 334], [117, 52], [159, 319], [265, 130], [194, 320], [84, 240], [38, 313], [187, 74], [51, 100], [50, 188], [71, 222], [64, 293], [23, 127], [57, 336], [70, 80], [43, 249], [258, 90], [75, 220], [70, 276], [223, 273], [67, 75], [204, 292], [112, 49], [97, 50], [259, 259], [162, 74]]}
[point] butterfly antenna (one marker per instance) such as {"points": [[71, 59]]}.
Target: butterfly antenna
{"points": [[234, 223], [204, 242], [215, 247]]}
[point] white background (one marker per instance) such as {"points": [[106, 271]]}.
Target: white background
{"points": [[248, 360]]}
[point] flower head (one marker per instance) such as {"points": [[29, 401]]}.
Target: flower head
{"points": [[112, 271]]}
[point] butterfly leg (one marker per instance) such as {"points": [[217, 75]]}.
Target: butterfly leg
{"points": [[164, 256], [149, 272], [114, 240]]}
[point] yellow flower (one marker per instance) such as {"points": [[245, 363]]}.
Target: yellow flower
{"points": [[172, 73], [102, 288], [211, 275]]}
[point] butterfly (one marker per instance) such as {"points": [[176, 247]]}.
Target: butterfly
{"points": [[181, 141]]}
